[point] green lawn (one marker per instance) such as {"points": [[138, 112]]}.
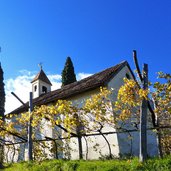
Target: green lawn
{"points": [[106, 165]]}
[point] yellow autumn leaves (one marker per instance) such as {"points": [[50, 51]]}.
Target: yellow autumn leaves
{"points": [[64, 113], [129, 99], [98, 108], [131, 94]]}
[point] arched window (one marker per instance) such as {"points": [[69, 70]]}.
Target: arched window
{"points": [[128, 76], [44, 89], [35, 88]]}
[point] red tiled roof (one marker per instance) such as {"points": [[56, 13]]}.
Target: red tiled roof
{"points": [[89, 83]]}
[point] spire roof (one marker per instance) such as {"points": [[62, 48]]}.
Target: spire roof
{"points": [[41, 76]]}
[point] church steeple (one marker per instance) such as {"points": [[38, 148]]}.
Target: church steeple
{"points": [[40, 84]]}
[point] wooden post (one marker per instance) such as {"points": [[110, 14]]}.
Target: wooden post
{"points": [[158, 132], [79, 134], [1, 155], [143, 118], [79, 130], [30, 141], [80, 146]]}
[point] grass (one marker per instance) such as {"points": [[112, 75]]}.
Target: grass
{"points": [[154, 164]]}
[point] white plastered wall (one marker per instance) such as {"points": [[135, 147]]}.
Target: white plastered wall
{"points": [[128, 145], [39, 85]]}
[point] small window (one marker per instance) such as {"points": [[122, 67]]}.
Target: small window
{"points": [[35, 88], [44, 89], [128, 76]]}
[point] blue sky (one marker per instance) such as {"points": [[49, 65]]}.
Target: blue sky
{"points": [[96, 34]]}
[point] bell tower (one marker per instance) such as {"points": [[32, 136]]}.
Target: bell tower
{"points": [[40, 84]]}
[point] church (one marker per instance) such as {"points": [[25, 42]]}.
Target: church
{"points": [[96, 147]]}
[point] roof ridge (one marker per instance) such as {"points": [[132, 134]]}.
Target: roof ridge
{"points": [[121, 63], [87, 84]]}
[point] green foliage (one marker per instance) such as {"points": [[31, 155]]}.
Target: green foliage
{"points": [[68, 74], [154, 164]]}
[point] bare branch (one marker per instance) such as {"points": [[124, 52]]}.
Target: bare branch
{"points": [[136, 65]]}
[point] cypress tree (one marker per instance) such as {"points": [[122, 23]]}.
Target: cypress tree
{"points": [[2, 94], [68, 74], [2, 110]]}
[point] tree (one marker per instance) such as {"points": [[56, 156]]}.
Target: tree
{"points": [[129, 100], [66, 116], [2, 110], [2, 94], [162, 99], [95, 113], [68, 74]]}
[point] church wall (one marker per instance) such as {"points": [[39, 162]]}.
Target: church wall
{"points": [[124, 139], [97, 146]]}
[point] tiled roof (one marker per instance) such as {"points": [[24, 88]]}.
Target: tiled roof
{"points": [[41, 76], [89, 83]]}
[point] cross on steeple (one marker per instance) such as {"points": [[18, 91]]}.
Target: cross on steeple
{"points": [[40, 65]]}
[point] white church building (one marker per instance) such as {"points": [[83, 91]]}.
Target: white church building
{"points": [[96, 147]]}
